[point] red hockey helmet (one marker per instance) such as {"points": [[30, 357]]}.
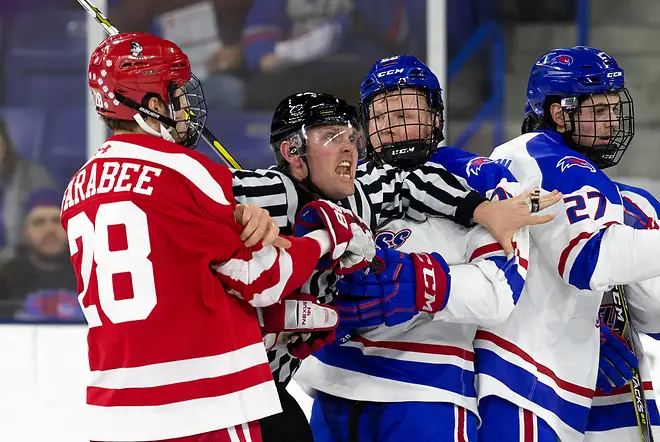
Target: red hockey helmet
{"points": [[124, 68]]}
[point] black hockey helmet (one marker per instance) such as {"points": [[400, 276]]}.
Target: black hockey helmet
{"points": [[297, 113]]}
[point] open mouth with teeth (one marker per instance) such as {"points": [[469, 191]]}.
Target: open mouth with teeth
{"points": [[343, 169]]}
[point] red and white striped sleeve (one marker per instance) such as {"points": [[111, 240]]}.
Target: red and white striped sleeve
{"points": [[263, 276]]}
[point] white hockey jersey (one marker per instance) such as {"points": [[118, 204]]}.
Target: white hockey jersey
{"points": [[429, 358], [545, 357], [612, 417]]}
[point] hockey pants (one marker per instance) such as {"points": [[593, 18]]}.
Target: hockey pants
{"points": [[341, 420], [503, 421]]}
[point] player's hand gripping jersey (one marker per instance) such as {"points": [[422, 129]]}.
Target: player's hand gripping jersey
{"points": [[171, 352], [429, 358], [612, 417], [380, 193], [537, 358]]}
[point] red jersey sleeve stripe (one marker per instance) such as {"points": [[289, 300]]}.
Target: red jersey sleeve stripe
{"points": [[288, 272], [246, 271]]}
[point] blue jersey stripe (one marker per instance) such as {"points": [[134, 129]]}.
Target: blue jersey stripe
{"points": [[513, 278], [585, 262], [443, 376], [525, 384], [610, 417], [643, 193]]}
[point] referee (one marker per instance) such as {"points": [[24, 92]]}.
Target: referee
{"points": [[317, 141]]}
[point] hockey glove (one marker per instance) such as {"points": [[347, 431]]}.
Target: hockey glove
{"points": [[299, 323], [616, 361], [408, 284], [352, 244]]}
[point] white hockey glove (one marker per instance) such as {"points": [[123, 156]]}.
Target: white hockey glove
{"points": [[299, 323]]}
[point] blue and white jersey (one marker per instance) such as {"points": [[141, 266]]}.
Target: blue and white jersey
{"points": [[612, 417], [429, 358], [545, 357]]}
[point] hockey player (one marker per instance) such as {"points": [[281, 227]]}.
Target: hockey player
{"points": [[533, 383], [482, 173], [175, 349], [537, 373], [317, 145], [393, 380], [613, 414]]}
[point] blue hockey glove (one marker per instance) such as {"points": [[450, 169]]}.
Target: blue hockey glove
{"points": [[616, 363], [406, 285]]}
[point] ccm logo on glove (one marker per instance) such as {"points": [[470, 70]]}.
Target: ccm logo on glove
{"points": [[432, 294]]}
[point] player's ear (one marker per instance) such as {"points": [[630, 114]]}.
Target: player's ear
{"points": [[156, 104], [557, 114], [290, 153]]}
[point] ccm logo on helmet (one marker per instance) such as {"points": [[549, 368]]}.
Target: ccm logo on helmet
{"points": [[614, 74], [390, 72]]}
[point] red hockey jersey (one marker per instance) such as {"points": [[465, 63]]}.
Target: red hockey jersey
{"points": [[156, 250]]}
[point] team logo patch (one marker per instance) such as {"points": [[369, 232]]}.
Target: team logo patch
{"points": [[392, 240], [569, 161], [474, 165], [562, 59], [136, 49]]}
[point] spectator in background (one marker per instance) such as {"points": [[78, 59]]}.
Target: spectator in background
{"points": [[323, 45], [286, 45], [215, 54], [19, 177], [39, 283], [131, 16]]}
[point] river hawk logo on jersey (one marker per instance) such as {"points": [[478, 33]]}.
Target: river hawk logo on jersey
{"points": [[570, 161], [474, 165], [392, 240]]}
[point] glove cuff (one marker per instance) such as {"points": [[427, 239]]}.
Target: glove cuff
{"points": [[432, 282]]}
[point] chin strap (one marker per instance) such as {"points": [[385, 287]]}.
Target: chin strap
{"points": [[305, 184], [164, 131], [309, 185]]}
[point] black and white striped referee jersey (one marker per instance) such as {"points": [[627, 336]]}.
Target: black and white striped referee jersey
{"points": [[381, 193]]}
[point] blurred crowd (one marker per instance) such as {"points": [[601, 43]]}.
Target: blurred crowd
{"points": [[248, 54]]}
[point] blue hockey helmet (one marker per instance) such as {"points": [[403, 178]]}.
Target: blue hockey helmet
{"points": [[401, 104], [588, 84]]}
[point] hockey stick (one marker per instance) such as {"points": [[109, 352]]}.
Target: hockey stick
{"points": [[623, 326], [208, 137]]}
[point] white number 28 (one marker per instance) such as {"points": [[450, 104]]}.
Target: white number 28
{"points": [[134, 260]]}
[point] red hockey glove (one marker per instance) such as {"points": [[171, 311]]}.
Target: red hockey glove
{"points": [[352, 246]]}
